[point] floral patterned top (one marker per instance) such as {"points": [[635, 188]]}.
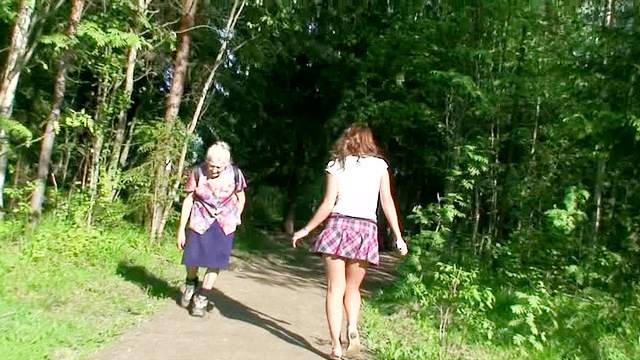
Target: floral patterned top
{"points": [[215, 201]]}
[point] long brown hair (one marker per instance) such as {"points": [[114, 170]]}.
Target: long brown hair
{"points": [[357, 140]]}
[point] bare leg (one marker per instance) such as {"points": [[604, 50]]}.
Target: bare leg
{"points": [[355, 272], [210, 278], [335, 271]]}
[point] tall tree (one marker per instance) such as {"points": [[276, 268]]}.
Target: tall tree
{"points": [[121, 126], [234, 14], [37, 198], [174, 99], [16, 56]]}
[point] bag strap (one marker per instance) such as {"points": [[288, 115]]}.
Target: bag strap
{"points": [[199, 173], [236, 179]]}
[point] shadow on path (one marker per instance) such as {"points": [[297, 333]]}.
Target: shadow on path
{"points": [[232, 309], [227, 306]]}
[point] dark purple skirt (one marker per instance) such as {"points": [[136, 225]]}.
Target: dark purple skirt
{"points": [[211, 249]]}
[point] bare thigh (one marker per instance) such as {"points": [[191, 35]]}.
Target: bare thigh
{"points": [[335, 270]]}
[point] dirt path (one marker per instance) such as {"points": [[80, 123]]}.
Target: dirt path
{"points": [[266, 308]]}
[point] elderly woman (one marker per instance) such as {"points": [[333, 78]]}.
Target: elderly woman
{"points": [[212, 210]]}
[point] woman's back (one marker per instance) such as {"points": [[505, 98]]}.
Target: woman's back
{"points": [[358, 185]]}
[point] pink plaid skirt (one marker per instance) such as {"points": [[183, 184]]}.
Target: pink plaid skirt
{"points": [[350, 238]]}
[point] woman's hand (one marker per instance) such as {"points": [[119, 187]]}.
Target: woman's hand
{"points": [[401, 245], [298, 235], [181, 239]]}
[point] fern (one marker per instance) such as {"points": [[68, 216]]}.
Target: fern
{"points": [[107, 38], [15, 129], [59, 41]]}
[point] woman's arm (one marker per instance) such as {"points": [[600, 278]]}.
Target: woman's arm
{"points": [[241, 201], [186, 211], [389, 209], [325, 208], [184, 218]]}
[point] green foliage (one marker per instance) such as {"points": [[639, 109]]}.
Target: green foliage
{"points": [[437, 220], [7, 10], [16, 129], [59, 41], [527, 311], [110, 37], [266, 205], [566, 220], [78, 119], [19, 195], [511, 129], [80, 296], [455, 293]]}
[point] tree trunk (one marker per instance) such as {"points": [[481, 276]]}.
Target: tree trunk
{"points": [[449, 123], [476, 221], [9, 81], [122, 121], [125, 150], [37, 198], [288, 223], [597, 197], [95, 173], [17, 174], [121, 127], [231, 23], [174, 99], [608, 13], [67, 158], [636, 15], [493, 218]]}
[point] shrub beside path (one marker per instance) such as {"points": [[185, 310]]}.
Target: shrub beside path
{"points": [[266, 307]]}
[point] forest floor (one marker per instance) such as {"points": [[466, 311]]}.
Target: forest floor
{"points": [[267, 306]]}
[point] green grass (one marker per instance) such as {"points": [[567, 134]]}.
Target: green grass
{"points": [[66, 291], [395, 333], [591, 326]]}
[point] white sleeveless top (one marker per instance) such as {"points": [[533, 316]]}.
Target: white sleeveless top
{"points": [[358, 185]]}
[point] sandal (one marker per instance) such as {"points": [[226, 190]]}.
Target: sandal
{"points": [[353, 343]]}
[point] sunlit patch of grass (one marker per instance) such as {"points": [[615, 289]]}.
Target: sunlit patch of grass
{"points": [[591, 325], [62, 295], [393, 331]]}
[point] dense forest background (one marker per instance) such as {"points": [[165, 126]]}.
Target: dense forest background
{"points": [[512, 129]]}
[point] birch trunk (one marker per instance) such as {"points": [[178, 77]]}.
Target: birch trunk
{"points": [[597, 197], [9, 81]]}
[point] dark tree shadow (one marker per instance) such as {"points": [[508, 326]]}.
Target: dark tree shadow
{"points": [[155, 286], [227, 306]]}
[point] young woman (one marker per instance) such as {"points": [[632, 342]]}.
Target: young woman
{"points": [[212, 211], [357, 177]]}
